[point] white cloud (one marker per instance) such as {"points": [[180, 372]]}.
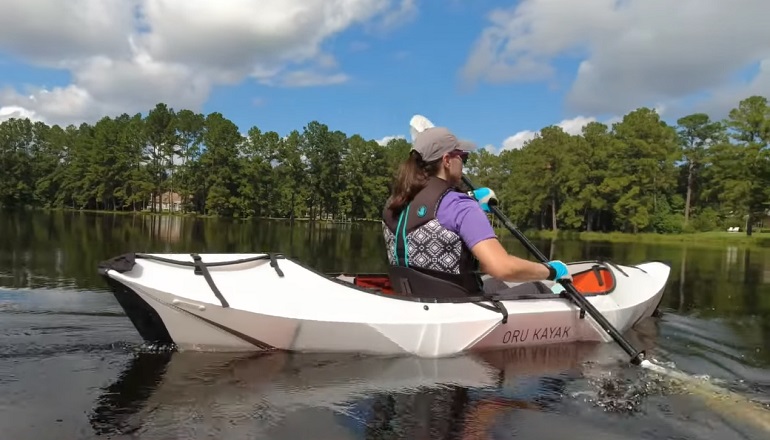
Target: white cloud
{"points": [[48, 105], [238, 34], [572, 126], [490, 148], [55, 32], [575, 125], [727, 96], [406, 11], [127, 55], [12, 111], [632, 52], [384, 141], [518, 140]]}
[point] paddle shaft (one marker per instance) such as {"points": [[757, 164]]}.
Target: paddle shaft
{"points": [[569, 288]]}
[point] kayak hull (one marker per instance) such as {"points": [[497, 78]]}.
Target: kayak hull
{"points": [[247, 302]]}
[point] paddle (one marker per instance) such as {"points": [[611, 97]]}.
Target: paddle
{"points": [[636, 356], [419, 123], [716, 397]]}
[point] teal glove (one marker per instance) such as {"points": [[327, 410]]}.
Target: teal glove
{"points": [[486, 198], [558, 270]]}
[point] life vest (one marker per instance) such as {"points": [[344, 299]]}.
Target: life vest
{"points": [[415, 239]]}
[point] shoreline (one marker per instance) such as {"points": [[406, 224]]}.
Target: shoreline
{"points": [[190, 215], [758, 238]]}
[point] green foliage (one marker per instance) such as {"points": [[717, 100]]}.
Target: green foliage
{"points": [[696, 133], [135, 163], [706, 220], [639, 175], [666, 220]]}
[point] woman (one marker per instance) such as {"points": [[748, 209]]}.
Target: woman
{"points": [[435, 229]]}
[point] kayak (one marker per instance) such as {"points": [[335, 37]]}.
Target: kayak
{"points": [[266, 301]]}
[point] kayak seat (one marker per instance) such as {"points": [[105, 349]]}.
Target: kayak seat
{"points": [[406, 281], [377, 282], [530, 290]]}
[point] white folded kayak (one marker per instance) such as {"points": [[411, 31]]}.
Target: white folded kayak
{"points": [[236, 302]]}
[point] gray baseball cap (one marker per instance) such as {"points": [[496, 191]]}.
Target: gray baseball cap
{"points": [[436, 141]]}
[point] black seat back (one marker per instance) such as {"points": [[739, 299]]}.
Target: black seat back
{"points": [[410, 282], [528, 290]]}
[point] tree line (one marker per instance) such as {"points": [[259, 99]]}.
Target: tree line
{"points": [[639, 174], [133, 163]]}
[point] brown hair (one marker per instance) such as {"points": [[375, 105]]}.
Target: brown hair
{"points": [[412, 176]]}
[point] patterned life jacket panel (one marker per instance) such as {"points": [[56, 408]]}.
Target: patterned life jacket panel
{"points": [[414, 238]]}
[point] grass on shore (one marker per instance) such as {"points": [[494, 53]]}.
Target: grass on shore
{"points": [[757, 238]]}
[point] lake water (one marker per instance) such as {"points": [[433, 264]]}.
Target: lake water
{"points": [[73, 367]]}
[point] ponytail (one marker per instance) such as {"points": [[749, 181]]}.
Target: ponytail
{"points": [[411, 178]]}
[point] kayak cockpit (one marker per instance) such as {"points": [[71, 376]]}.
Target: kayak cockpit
{"points": [[589, 278]]}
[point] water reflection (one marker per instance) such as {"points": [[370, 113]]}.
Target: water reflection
{"points": [[61, 249], [553, 391], [195, 395]]}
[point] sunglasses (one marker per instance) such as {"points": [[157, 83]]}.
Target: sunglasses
{"points": [[459, 153]]}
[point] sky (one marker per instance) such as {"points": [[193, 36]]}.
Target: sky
{"points": [[494, 72]]}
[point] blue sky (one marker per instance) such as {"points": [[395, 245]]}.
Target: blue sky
{"points": [[407, 57], [414, 69]]}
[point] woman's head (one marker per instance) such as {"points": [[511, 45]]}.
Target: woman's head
{"points": [[435, 152]]}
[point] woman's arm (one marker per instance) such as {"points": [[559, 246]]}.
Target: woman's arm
{"points": [[462, 214], [496, 261]]}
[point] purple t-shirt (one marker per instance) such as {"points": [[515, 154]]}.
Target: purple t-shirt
{"points": [[461, 214]]}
